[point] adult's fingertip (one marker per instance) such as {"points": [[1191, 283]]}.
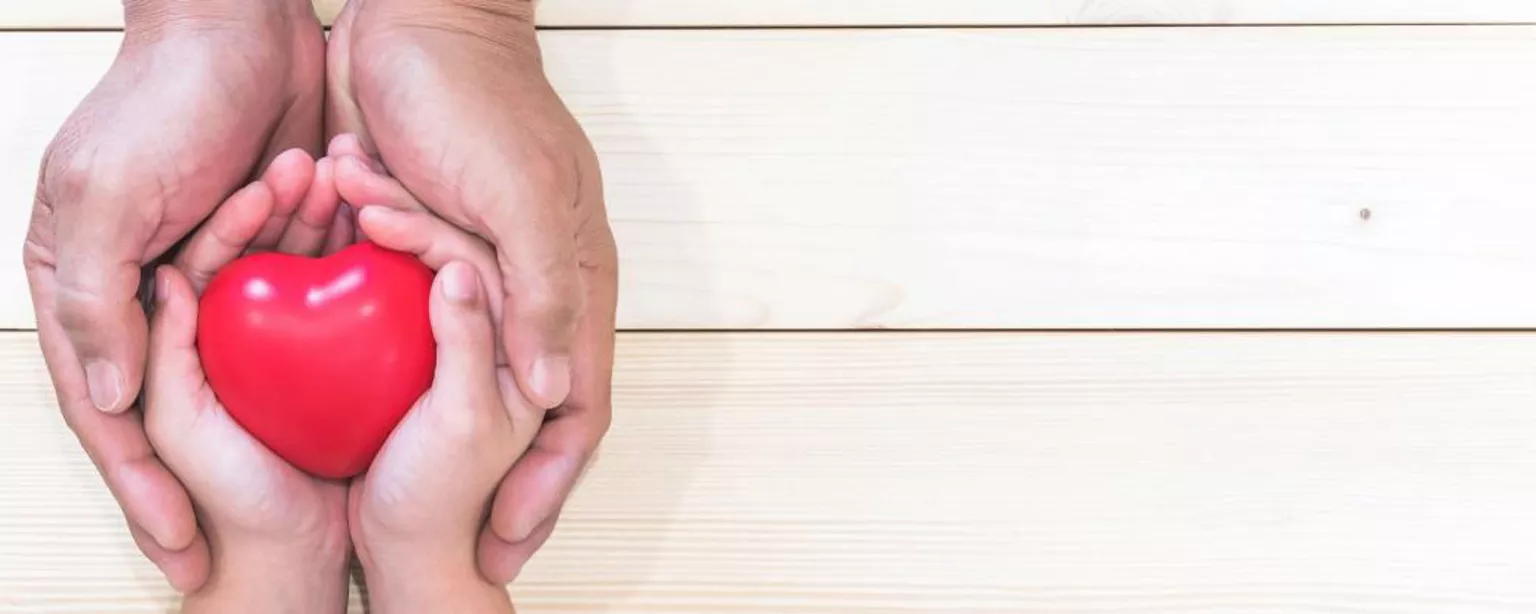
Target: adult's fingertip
{"points": [[550, 378], [533, 493], [186, 570], [155, 501], [501, 561], [104, 381], [519, 527]]}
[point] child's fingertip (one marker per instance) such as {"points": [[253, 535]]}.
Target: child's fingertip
{"points": [[291, 155], [347, 143], [373, 216], [337, 143], [460, 284], [325, 171]]}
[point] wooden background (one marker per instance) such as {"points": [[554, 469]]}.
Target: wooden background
{"points": [[1173, 319]]}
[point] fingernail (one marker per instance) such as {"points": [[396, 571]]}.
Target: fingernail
{"points": [[378, 214], [460, 283], [552, 379], [522, 529], [105, 384]]}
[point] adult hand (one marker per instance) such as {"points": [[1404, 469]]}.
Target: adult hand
{"points": [[417, 514], [451, 96], [201, 95]]}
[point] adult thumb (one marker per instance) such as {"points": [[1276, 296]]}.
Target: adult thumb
{"points": [[98, 307]]}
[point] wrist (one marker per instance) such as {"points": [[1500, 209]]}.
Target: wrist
{"points": [[287, 580], [403, 582]]}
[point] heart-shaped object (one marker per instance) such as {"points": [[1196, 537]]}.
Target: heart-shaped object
{"points": [[319, 358]]}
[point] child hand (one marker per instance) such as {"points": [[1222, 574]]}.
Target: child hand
{"points": [[277, 535], [417, 513]]}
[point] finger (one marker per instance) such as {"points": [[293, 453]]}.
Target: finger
{"points": [[540, 481], [226, 235], [363, 185], [152, 500], [175, 374], [461, 324], [501, 561], [343, 230], [306, 232], [464, 382], [540, 280], [186, 569], [289, 178], [351, 144], [91, 293], [435, 242]]}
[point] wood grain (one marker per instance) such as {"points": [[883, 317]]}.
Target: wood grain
{"points": [[1145, 178], [664, 13], [848, 473]]}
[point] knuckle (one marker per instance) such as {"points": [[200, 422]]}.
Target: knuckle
{"points": [[65, 173], [82, 301], [558, 307], [550, 175], [597, 251], [77, 306]]}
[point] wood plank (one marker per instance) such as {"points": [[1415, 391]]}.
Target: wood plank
{"points": [[1159, 177], [672, 13], [846, 473]]}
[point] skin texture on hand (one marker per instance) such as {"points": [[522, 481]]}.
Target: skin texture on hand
{"points": [[417, 513], [278, 536], [451, 96], [200, 98]]}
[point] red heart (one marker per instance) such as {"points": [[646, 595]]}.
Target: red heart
{"points": [[319, 358]]}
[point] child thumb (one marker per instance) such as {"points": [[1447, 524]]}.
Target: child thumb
{"points": [[466, 350]]}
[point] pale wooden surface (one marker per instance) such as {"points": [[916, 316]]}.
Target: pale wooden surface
{"points": [[648, 13], [990, 178], [966, 474], [1156, 178]]}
